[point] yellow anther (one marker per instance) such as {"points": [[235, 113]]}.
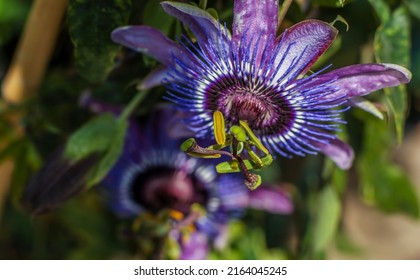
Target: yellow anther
{"points": [[219, 127], [176, 215]]}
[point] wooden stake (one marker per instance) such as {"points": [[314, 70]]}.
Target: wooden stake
{"points": [[28, 67]]}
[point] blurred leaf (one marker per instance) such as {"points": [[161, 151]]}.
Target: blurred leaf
{"points": [[256, 245], [90, 25], [154, 15], [28, 160], [12, 10], [104, 134], [381, 9], [94, 136], [331, 3], [114, 150], [397, 97], [392, 39], [12, 17], [413, 7], [389, 188], [383, 183], [213, 12], [327, 218], [392, 45]]}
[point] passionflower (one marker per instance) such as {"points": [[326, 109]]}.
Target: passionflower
{"points": [[153, 175], [253, 75]]}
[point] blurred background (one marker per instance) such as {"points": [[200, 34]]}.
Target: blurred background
{"points": [[53, 51]]}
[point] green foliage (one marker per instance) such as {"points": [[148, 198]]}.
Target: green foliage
{"points": [[83, 228], [23, 151], [383, 183], [331, 3], [154, 15], [104, 135], [90, 25], [115, 146], [327, 218], [12, 15], [255, 248], [413, 7], [392, 45]]}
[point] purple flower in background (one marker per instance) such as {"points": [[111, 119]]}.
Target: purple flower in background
{"points": [[152, 174], [255, 76]]}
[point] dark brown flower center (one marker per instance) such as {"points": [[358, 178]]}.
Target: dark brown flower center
{"points": [[247, 107], [264, 109], [164, 187]]}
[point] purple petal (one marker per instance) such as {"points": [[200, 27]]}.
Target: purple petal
{"points": [[361, 79], [301, 46], [338, 151], [148, 40], [273, 200], [158, 76], [204, 25], [195, 247], [255, 18]]}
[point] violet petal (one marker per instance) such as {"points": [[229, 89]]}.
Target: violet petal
{"points": [[148, 40], [361, 79], [302, 45], [195, 247], [200, 22], [255, 18], [338, 151], [158, 76], [272, 200]]}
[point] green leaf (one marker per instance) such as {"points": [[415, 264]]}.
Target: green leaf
{"points": [[90, 25], [381, 9], [392, 39], [12, 17], [331, 3], [154, 15], [392, 45], [383, 183], [94, 136], [397, 98], [104, 135], [115, 148], [413, 7], [327, 219], [388, 187]]}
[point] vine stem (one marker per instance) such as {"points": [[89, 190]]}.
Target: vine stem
{"points": [[132, 106]]}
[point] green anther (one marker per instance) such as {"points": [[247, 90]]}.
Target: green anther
{"points": [[267, 160], [253, 138], [187, 144], [238, 132], [228, 167], [256, 159], [232, 165], [219, 127]]}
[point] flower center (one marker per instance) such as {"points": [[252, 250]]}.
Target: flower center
{"points": [[263, 108], [247, 107], [163, 187]]}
